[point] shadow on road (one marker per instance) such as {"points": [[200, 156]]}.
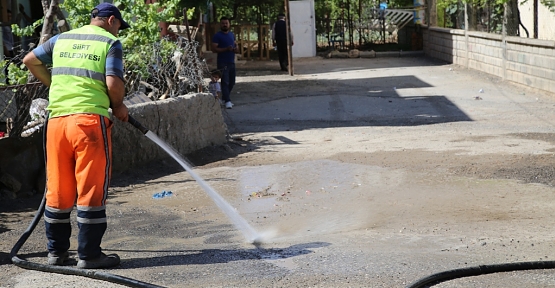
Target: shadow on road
{"points": [[301, 104], [212, 256], [5, 258], [18, 210]]}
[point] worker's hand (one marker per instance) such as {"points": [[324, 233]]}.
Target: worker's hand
{"points": [[121, 112], [230, 48]]}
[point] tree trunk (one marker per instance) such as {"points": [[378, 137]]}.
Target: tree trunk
{"points": [[48, 25], [432, 12], [513, 18], [472, 11], [45, 6], [62, 22]]}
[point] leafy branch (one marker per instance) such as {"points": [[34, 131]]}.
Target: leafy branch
{"points": [[550, 4]]}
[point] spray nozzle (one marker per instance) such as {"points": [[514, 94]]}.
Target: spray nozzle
{"points": [[137, 125]]}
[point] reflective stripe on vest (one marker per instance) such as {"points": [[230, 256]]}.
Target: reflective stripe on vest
{"points": [[79, 72]]}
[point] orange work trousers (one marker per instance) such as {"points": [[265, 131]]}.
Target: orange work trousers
{"points": [[78, 160]]}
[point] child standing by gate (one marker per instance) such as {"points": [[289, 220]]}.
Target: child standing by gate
{"points": [[214, 85]]}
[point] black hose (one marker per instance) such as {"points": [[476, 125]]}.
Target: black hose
{"points": [[68, 270], [81, 272], [480, 270]]}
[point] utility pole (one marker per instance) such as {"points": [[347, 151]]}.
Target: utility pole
{"points": [[289, 46], [360, 20], [535, 19]]}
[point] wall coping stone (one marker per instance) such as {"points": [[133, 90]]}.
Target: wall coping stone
{"points": [[532, 42], [447, 30], [485, 35]]}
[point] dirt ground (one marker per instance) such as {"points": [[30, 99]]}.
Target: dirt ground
{"points": [[354, 172]]}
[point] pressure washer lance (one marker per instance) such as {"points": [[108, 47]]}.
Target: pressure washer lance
{"points": [[241, 224]]}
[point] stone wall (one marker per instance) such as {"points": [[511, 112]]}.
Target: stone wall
{"points": [[524, 61], [187, 123]]}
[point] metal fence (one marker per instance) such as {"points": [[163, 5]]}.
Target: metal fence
{"points": [[15, 101], [372, 26], [160, 73], [514, 18], [157, 73], [362, 25]]}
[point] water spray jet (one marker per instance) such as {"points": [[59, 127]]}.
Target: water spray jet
{"points": [[248, 232]]}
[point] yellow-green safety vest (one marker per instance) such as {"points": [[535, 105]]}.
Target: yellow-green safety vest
{"points": [[79, 72]]}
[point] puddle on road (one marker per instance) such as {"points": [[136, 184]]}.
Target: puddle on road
{"points": [[321, 196], [267, 186]]}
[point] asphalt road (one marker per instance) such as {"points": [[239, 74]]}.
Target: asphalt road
{"points": [[356, 173]]}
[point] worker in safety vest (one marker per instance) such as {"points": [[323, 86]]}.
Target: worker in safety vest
{"points": [[86, 80]]}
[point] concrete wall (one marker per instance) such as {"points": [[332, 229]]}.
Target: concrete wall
{"points": [[187, 123], [524, 61]]}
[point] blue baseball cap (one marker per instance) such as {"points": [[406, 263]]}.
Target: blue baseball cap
{"points": [[107, 10]]}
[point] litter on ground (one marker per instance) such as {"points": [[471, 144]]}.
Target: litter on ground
{"points": [[162, 194]]}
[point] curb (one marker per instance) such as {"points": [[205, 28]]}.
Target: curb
{"points": [[372, 54]]}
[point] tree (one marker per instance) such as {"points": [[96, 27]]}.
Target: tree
{"points": [[48, 25], [248, 11], [549, 4], [496, 11], [143, 18], [513, 18]]}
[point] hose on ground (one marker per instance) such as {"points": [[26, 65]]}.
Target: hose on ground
{"points": [[480, 270]]}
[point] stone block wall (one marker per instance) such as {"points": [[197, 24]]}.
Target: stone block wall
{"points": [[484, 53], [444, 46], [531, 62], [524, 61]]}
